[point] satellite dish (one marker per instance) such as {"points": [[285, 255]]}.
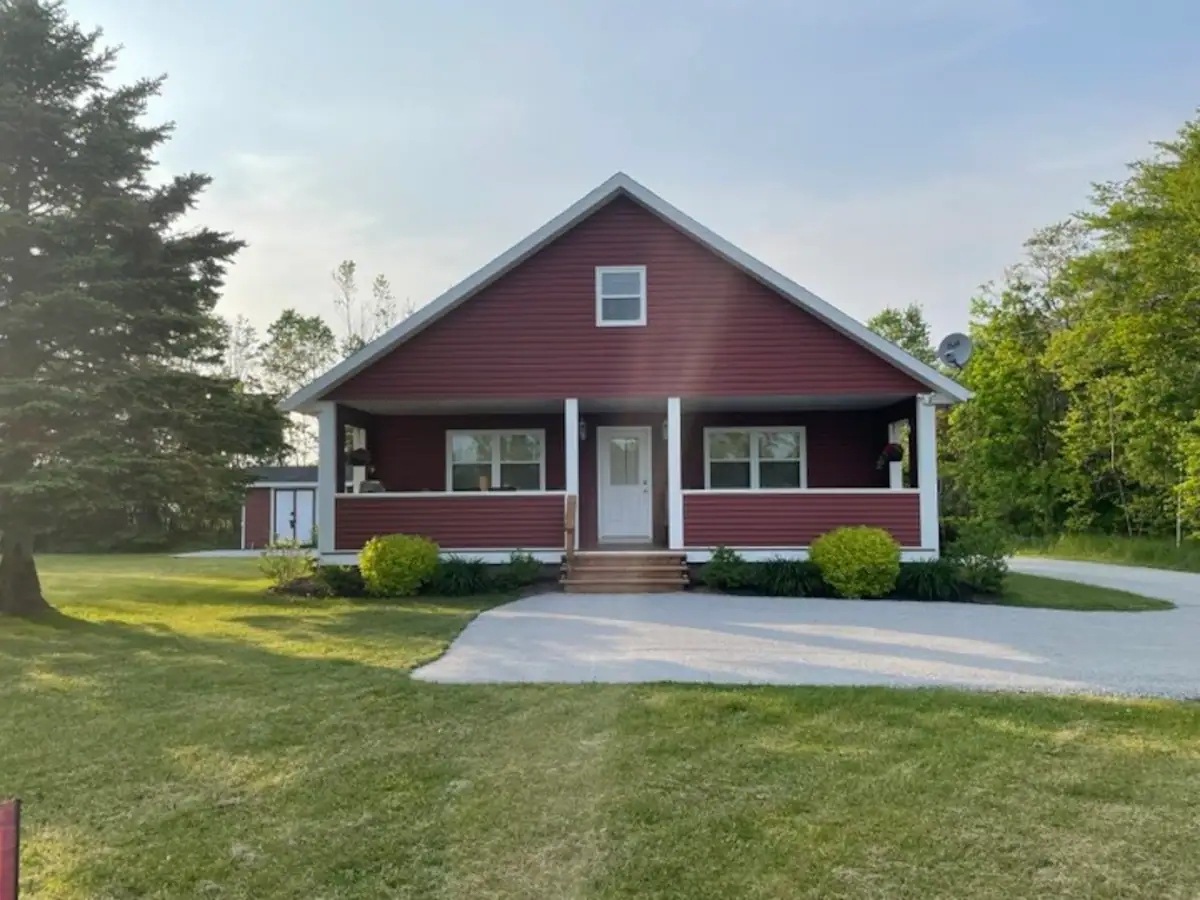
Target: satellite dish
{"points": [[955, 350]]}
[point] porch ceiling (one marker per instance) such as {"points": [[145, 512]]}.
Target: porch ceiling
{"points": [[627, 404]]}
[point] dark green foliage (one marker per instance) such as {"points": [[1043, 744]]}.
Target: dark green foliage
{"points": [[521, 570], [726, 571], [112, 405], [343, 581], [458, 576], [980, 551], [786, 578], [934, 580]]}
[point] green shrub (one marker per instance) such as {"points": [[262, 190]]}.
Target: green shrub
{"points": [[458, 576], [343, 581], [786, 578], [859, 561], [286, 561], [396, 565], [980, 550], [520, 571], [726, 571], [937, 579]]}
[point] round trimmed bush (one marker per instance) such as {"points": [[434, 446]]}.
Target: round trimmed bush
{"points": [[858, 561], [396, 565]]}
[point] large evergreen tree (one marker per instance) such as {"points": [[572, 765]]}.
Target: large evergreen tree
{"points": [[110, 353]]}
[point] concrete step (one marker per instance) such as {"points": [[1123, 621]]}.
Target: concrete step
{"points": [[621, 586]]}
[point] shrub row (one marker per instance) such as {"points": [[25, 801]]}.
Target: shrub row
{"points": [[865, 562], [404, 565]]}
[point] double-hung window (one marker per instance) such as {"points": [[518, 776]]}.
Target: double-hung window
{"points": [[496, 460], [754, 458], [620, 296]]}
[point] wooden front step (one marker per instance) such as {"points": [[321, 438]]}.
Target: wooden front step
{"points": [[624, 573]]}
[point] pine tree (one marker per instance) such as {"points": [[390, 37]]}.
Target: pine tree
{"points": [[109, 346]]}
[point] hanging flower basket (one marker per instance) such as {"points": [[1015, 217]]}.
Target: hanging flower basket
{"points": [[891, 453], [360, 457]]}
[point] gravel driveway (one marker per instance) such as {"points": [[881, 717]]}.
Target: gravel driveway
{"points": [[748, 640]]}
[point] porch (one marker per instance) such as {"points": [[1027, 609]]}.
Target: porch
{"points": [[763, 475]]}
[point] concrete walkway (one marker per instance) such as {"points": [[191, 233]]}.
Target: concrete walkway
{"points": [[713, 638]]}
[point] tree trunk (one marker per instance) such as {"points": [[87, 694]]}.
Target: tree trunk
{"points": [[20, 589]]}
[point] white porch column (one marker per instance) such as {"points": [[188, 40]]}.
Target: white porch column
{"points": [[927, 473], [674, 473], [571, 442], [328, 477]]}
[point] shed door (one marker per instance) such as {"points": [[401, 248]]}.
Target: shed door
{"points": [[295, 515]]}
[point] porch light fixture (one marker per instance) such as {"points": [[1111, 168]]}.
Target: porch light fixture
{"points": [[664, 429], [582, 430]]}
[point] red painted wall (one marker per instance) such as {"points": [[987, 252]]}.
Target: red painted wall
{"points": [[711, 331], [409, 452], [794, 520], [462, 522], [843, 447], [258, 519]]}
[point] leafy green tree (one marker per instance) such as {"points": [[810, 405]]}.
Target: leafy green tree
{"points": [[106, 305], [907, 329], [298, 348], [1131, 359]]}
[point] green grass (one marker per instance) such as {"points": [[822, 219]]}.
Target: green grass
{"points": [[1158, 553], [177, 734], [1051, 593]]}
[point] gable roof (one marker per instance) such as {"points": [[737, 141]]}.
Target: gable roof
{"points": [[284, 474], [949, 391]]}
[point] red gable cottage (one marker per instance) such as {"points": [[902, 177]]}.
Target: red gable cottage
{"points": [[626, 363]]}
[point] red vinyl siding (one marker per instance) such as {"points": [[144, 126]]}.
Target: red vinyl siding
{"points": [[461, 522], [711, 330], [409, 452], [843, 447], [794, 520], [258, 519]]}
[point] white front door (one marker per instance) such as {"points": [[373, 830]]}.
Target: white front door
{"points": [[624, 486]]}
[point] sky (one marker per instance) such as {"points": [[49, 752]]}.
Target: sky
{"points": [[878, 152]]}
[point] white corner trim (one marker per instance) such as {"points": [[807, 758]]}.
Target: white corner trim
{"points": [[302, 401], [571, 446], [601, 271], [329, 440], [927, 471], [675, 473]]}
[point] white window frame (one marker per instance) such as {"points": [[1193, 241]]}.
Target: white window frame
{"points": [[753, 434], [601, 271], [496, 435]]}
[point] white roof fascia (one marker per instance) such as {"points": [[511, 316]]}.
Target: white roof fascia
{"points": [[622, 183]]}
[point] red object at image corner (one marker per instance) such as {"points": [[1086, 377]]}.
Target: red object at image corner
{"points": [[10, 844]]}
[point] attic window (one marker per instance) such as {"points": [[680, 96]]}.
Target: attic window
{"points": [[620, 296]]}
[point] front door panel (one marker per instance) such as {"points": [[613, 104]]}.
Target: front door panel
{"points": [[624, 485]]}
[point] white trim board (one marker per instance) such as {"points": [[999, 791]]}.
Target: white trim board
{"points": [[948, 390], [761, 554], [350, 557]]}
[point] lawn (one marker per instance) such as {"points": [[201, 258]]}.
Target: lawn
{"points": [[177, 734], [1157, 553], [1050, 593]]}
